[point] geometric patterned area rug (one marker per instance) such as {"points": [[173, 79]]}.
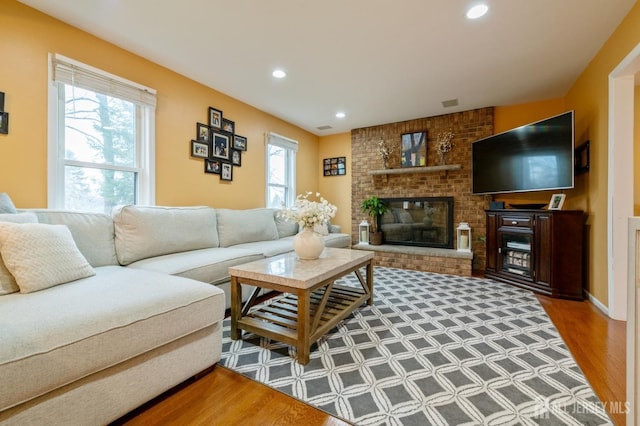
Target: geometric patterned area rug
{"points": [[434, 349]]}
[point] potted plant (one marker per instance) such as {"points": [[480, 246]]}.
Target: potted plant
{"points": [[374, 207]]}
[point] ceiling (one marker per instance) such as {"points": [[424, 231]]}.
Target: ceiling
{"points": [[376, 60]]}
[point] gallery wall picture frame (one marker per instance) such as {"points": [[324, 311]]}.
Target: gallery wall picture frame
{"points": [[413, 149], [203, 132], [239, 142], [236, 157], [221, 145], [335, 166], [215, 118], [4, 123], [226, 171], [228, 125], [557, 201], [212, 166], [199, 149]]}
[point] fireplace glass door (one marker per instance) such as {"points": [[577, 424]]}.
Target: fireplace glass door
{"points": [[426, 222]]}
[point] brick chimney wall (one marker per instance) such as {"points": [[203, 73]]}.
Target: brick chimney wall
{"points": [[467, 127]]}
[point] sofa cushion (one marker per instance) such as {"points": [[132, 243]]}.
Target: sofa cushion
{"points": [[269, 248], [41, 256], [245, 226], [70, 331], [286, 227], [206, 265], [144, 232], [92, 232], [337, 240], [6, 205], [7, 281]]}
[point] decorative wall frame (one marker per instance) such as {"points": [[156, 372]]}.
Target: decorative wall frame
{"points": [[4, 123], [413, 148], [215, 118], [221, 145], [212, 166], [203, 132], [199, 149], [335, 166], [228, 125], [239, 142], [236, 157], [581, 158], [226, 172]]}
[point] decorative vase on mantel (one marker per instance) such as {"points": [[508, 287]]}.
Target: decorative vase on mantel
{"points": [[308, 244], [443, 158]]}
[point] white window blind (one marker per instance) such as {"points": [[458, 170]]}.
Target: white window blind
{"points": [[79, 75]]}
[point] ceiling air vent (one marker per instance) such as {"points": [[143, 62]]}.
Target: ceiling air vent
{"points": [[450, 103], [327, 127]]}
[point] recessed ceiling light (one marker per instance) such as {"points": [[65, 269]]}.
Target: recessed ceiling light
{"points": [[340, 114], [477, 11], [279, 73]]}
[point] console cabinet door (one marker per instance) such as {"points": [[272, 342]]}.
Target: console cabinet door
{"points": [[492, 247], [543, 253]]}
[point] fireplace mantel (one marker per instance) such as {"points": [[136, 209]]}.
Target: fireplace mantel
{"points": [[406, 170]]}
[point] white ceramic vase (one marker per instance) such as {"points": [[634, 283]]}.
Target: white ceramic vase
{"points": [[308, 244]]}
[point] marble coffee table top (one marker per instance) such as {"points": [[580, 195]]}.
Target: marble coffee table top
{"points": [[288, 270]]}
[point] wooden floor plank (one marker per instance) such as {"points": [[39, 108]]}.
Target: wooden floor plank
{"points": [[223, 397]]}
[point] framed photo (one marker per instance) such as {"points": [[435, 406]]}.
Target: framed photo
{"points": [[221, 145], [236, 157], [215, 118], [239, 142], [212, 166], [228, 125], [226, 171], [4, 123], [557, 200], [203, 132], [336, 166], [414, 149], [199, 149]]}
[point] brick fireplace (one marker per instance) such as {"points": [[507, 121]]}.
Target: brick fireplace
{"points": [[369, 178]]}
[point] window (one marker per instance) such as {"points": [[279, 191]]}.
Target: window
{"points": [[101, 139], [281, 171]]}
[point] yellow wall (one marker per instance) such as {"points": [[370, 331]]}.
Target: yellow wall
{"points": [[27, 36], [337, 189], [589, 97], [636, 153]]}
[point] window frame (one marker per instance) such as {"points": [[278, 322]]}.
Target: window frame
{"points": [[143, 97], [291, 148]]}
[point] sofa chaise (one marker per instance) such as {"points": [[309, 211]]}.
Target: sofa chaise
{"points": [[101, 313]]}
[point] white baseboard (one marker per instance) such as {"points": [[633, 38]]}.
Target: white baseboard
{"points": [[598, 304]]}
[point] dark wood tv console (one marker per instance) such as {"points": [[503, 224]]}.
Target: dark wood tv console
{"points": [[539, 250]]}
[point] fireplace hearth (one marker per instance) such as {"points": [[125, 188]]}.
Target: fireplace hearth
{"points": [[418, 221]]}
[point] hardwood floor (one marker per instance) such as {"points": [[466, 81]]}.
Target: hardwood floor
{"points": [[223, 397]]}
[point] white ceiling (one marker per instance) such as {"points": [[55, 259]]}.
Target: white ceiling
{"points": [[378, 61]]}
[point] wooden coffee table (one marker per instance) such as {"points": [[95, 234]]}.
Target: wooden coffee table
{"points": [[312, 303]]}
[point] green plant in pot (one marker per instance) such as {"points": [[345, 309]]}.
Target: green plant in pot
{"points": [[374, 207]]}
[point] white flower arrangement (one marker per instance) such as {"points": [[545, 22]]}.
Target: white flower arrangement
{"points": [[309, 214], [384, 151], [444, 142]]}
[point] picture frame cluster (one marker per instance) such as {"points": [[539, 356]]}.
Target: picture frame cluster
{"points": [[335, 166], [219, 145]]}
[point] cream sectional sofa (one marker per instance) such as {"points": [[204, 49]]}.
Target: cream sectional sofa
{"points": [[146, 317]]}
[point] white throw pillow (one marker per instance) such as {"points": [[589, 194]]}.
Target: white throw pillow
{"points": [[7, 282], [40, 256]]}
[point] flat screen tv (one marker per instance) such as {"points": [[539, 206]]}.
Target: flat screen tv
{"points": [[533, 157]]}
